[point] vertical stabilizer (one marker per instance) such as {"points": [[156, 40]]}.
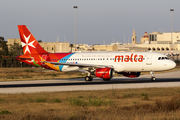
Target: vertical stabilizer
{"points": [[29, 44]]}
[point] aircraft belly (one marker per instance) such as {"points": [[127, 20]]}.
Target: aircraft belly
{"points": [[134, 67], [66, 68]]}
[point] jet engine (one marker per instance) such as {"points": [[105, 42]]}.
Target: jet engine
{"points": [[131, 74], [105, 73]]}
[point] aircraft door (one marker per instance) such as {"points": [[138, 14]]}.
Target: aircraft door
{"points": [[149, 59]]}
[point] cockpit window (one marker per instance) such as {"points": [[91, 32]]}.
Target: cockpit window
{"points": [[163, 58]]}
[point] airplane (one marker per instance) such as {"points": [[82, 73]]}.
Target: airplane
{"points": [[103, 65]]}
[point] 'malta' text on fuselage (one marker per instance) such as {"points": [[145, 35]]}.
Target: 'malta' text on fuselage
{"points": [[128, 58]]}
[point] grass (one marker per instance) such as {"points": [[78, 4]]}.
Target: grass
{"points": [[77, 102], [28, 70], [128, 104], [5, 112], [56, 100], [90, 102], [17, 74], [128, 95], [99, 102]]}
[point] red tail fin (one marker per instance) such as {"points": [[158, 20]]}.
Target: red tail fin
{"points": [[29, 44]]}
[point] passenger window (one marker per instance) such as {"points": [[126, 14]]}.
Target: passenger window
{"points": [[159, 58]]}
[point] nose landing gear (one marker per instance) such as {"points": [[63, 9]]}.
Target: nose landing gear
{"points": [[152, 76]]}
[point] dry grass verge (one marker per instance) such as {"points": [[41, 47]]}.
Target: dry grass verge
{"points": [[149, 103], [16, 74]]}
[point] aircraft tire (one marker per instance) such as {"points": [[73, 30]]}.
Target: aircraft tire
{"points": [[153, 79], [88, 78]]}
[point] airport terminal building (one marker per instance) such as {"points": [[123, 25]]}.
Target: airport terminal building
{"points": [[155, 41], [159, 42]]}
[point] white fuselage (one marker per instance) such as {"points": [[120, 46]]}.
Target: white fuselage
{"points": [[123, 61]]}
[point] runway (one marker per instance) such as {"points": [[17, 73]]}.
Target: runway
{"points": [[171, 79]]}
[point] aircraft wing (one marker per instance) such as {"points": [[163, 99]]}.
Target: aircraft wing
{"points": [[79, 64]]}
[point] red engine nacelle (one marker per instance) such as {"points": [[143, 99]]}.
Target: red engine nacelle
{"points": [[131, 74], [105, 73]]}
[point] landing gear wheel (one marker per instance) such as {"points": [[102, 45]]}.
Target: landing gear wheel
{"points": [[88, 78], [106, 79], [153, 78]]}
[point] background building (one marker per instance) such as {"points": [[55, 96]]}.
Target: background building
{"points": [[145, 38], [134, 37], [105, 47], [51, 47], [155, 41]]}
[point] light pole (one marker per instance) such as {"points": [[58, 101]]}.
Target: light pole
{"points": [[171, 32], [75, 7]]}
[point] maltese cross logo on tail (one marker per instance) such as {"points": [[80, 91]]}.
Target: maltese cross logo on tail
{"points": [[27, 44]]}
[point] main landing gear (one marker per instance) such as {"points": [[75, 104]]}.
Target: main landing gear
{"points": [[88, 78], [152, 76]]}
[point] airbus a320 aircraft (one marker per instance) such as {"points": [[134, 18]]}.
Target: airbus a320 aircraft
{"points": [[102, 65]]}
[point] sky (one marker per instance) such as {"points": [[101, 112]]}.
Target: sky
{"points": [[97, 21]]}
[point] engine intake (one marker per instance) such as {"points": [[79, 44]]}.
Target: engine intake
{"points": [[105, 73]]}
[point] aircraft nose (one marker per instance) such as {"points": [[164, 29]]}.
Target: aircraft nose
{"points": [[171, 64]]}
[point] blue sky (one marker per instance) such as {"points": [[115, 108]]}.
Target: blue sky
{"points": [[97, 21]]}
